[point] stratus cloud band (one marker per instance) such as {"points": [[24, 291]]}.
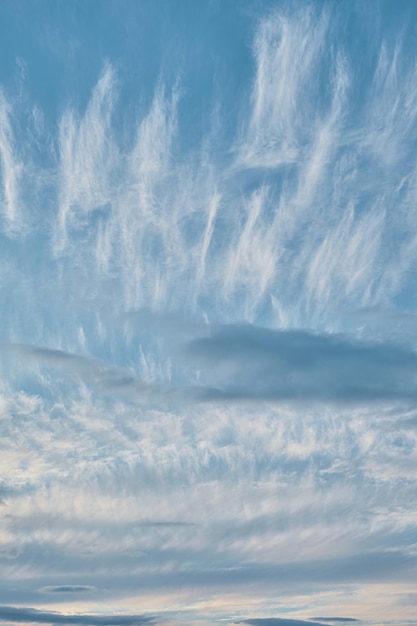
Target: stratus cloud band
{"points": [[29, 615], [247, 362], [251, 363]]}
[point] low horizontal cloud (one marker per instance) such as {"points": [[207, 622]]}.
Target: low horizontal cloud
{"points": [[163, 524], [245, 362], [68, 589], [334, 619], [99, 374], [358, 568], [29, 615], [277, 621]]}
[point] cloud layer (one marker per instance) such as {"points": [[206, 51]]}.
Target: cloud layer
{"points": [[208, 317], [27, 615], [248, 362]]}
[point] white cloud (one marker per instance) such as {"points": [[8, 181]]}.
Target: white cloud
{"points": [[86, 158], [287, 50], [10, 169]]}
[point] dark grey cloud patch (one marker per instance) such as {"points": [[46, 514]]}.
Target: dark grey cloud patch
{"points": [[277, 621], [68, 589], [164, 524], [76, 364], [244, 362], [29, 615], [99, 374], [334, 619]]}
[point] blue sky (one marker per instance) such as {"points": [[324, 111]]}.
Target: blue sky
{"points": [[208, 337]]}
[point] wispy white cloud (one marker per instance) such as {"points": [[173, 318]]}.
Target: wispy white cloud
{"points": [[287, 50], [10, 169], [86, 157]]}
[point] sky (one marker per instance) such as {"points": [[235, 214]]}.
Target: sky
{"points": [[208, 312]]}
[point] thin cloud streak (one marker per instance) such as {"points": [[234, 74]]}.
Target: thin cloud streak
{"points": [[29, 615], [68, 589], [277, 621], [335, 619]]}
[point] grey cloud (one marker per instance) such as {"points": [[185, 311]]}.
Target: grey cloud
{"points": [[68, 589], [163, 524], [25, 615], [277, 621], [104, 376], [74, 363], [392, 565], [334, 619], [244, 362], [367, 566]]}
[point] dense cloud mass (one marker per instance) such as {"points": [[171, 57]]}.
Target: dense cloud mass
{"points": [[256, 363], [208, 312]]}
